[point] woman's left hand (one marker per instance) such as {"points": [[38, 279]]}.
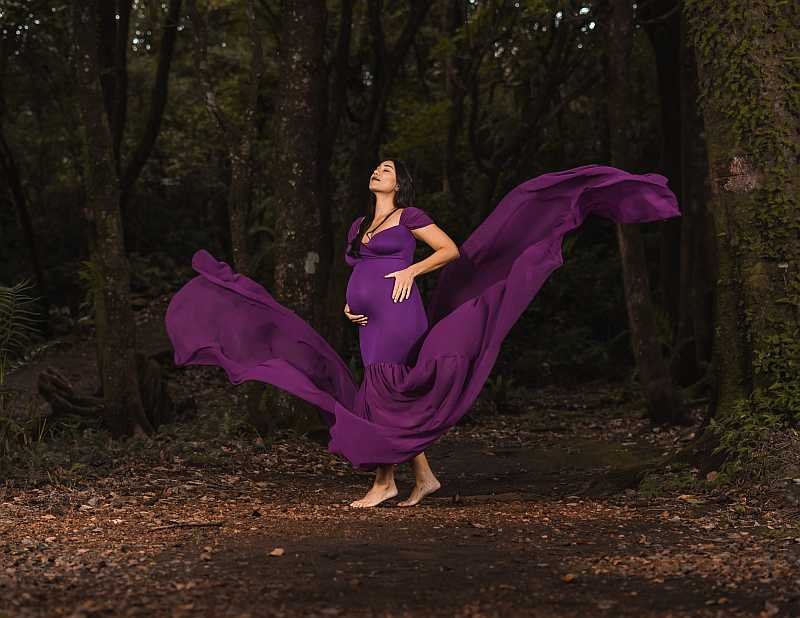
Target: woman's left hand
{"points": [[403, 280]]}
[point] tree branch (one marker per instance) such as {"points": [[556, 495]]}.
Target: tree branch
{"points": [[158, 99], [200, 38]]}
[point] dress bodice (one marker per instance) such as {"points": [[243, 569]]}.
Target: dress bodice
{"points": [[395, 242]]}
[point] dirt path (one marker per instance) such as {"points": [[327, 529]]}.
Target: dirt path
{"points": [[206, 520]]}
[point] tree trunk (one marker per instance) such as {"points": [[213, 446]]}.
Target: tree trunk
{"points": [[661, 23], [116, 340], [453, 18], [692, 355], [333, 230], [747, 64], [158, 101], [297, 223], [113, 38], [663, 405]]}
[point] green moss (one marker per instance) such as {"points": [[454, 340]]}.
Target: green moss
{"points": [[750, 89], [675, 478]]}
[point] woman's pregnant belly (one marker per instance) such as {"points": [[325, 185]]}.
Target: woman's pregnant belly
{"points": [[392, 328]]}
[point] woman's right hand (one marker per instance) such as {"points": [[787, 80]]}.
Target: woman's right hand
{"points": [[355, 318]]}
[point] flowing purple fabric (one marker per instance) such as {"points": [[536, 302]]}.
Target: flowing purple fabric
{"points": [[422, 372]]}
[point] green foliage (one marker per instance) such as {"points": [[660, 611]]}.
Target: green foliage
{"points": [[575, 330], [154, 274], [74, 453], [20, 428], [745, 432], [677, 477], [17, 324], [502, 395], [418, 129], [19, 432]]}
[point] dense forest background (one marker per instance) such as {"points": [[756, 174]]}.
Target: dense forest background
{"points": [[133, 133], [636, 449], [474, 108]]}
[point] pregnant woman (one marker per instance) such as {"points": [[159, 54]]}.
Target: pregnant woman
{"points": [[422, 371], [391, 299]]}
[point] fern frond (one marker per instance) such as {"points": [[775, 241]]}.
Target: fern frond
{"points": [[17, 321]]}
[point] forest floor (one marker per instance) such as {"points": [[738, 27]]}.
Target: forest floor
{"points": [[205, 519]]}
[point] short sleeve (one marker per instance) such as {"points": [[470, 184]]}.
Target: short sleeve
{"points": [[354, 229], [414, 217]]}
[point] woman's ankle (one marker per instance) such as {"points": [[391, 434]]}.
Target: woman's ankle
{"points": [[385, 482]]}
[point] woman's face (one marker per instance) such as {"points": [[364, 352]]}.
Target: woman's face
{"points": [[383, 178]]}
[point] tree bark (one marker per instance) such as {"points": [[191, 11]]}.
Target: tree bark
{"points": [[298, 131], [158, 101], [663, 405], [116, 338], [454, 18], [748, 65], [692, 355], [661, 22], [333, 108], [112, 50]]}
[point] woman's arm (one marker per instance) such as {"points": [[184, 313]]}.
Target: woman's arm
{"points": [[444, 249]]}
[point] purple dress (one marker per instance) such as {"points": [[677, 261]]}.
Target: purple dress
{"points": [[422, 372], [393, 330]]}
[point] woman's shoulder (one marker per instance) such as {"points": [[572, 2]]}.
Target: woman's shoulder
{"points": [[413, 217], [354, 227]]}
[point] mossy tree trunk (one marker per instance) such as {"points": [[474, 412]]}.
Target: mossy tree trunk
{"points": [[663, 405], [748, 63], [115, 327]]}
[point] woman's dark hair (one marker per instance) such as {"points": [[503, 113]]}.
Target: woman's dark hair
{"points": [[404, 197]]}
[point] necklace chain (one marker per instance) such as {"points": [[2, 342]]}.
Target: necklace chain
{"points": [[370, 234]]}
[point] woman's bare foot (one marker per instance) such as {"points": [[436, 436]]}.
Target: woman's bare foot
{"points": [[420, 491], [376, 495]]}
